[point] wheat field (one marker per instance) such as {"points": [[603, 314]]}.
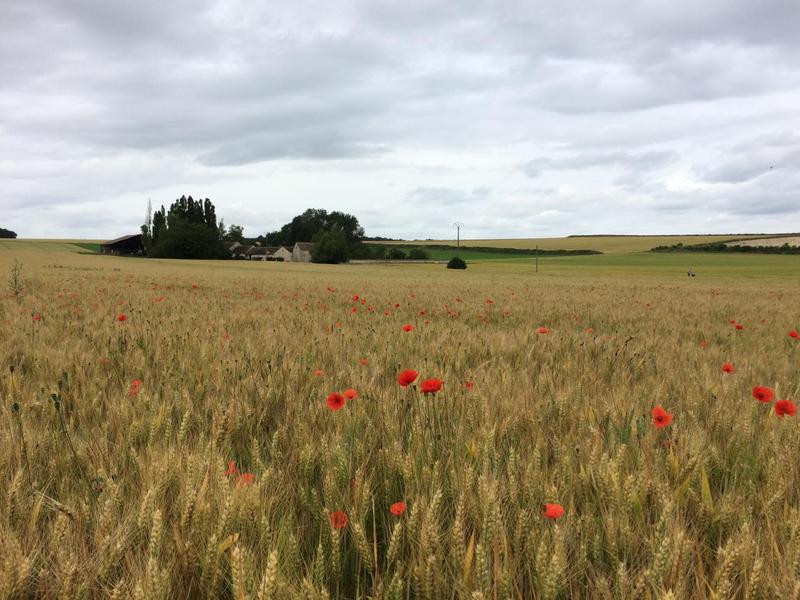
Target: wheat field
{"points": [[191, 451]]}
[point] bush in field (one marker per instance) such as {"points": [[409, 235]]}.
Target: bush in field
{"points": [[456, 263], [396, 254], [418, 254]]}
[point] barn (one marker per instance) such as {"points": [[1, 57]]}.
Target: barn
{"points": [[302, 252], [127, 244]]}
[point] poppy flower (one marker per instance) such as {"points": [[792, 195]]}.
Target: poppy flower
{"points": [[397, 509], [37, 317], [319, 373], [704, 343], [355, 298], [552, 511], [785, 407], [661, 418], [590, 330], [350, 394], [732, 321], [354, 309], [408, 327], [231, 470], [363, 362], [122, 318], [245, 479], [469, 385], [407, 377], [793, 334], [728, 368], [338, 519], [739, 327], [543, 330], [335, 401], [763, 394], [136, 384], [431, 386]]}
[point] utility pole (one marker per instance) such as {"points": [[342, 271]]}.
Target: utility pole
{"points": [[458, 225]]}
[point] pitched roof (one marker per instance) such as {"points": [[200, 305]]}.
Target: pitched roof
{"points": [[121, 239], [258, 251], [303, 245]]}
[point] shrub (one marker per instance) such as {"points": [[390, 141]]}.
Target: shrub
{"points": [[456, 263], [418, 254], [396, 254]]}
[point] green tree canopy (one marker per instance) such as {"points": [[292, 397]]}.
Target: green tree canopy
{"points": [[7, 233], [188, 229], [305, 226]]}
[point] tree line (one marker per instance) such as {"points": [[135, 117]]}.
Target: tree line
{"points": [[7, 234], [189, 229]]}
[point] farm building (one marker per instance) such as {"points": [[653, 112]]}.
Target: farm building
{"points": [[257, 253], [238, 250], [278, 253], [302, 252], [127, 244]]}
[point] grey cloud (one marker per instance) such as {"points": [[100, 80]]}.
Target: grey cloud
{"points": [[103, 103]]}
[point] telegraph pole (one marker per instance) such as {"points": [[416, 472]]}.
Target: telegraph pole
{"points": [[458, 225]]}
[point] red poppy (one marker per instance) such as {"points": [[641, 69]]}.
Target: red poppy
{"points": [[355, 297], [543, 329], [194, 286], [763, 394], [785, 407], [704, 343], [397, 509], [397, 305], [232, 470], [489, 301], [363, 362], [469, 385], [338, 519], [136, 384], [422, 313], [590, 330], [553, 511], [793, 334], [354, 309], [407, 377], [431, 386], [408, 327], [350, 394], [122, 318], [37, 317], [728, 368], [335, 401], [739, 327], [245, 479], [319, 373], [661, 418], [732, 321]]}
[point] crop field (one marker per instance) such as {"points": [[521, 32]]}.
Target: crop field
{"points": [[604, 428], [621, 244]]}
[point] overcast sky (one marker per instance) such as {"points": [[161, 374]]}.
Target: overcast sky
{"points": [[574, 117]]}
